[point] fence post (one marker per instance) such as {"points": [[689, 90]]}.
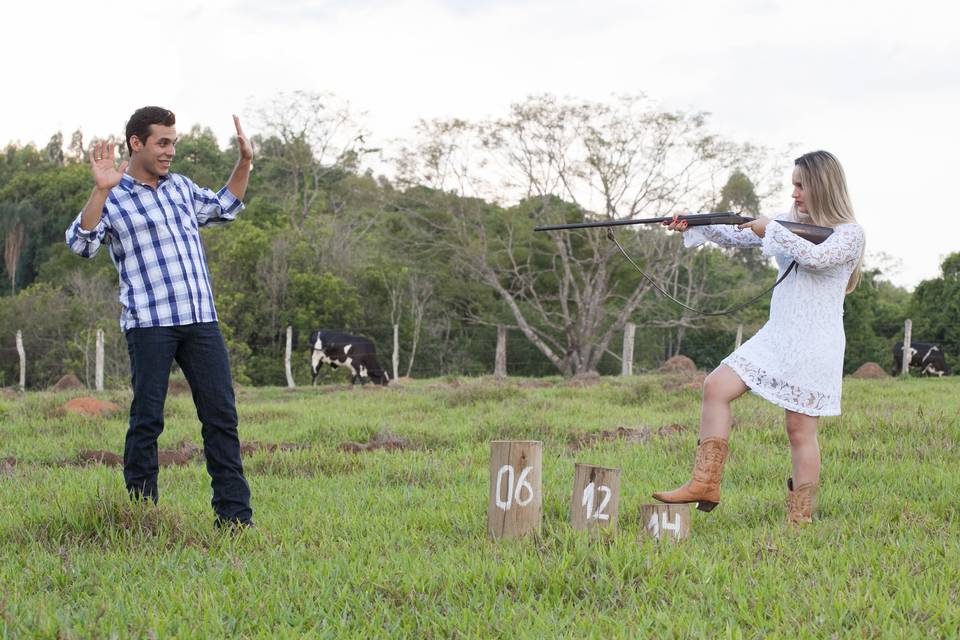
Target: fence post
{"points": [[98, 376], [23, 361], [739, 336], [626, 361], [286, 359], [500, 359], [396, 350], [907, 354]]}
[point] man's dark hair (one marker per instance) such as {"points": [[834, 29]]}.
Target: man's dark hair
{"points": [[139, 123]]}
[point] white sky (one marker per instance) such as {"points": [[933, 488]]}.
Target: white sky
{"points": [[877, 83]]}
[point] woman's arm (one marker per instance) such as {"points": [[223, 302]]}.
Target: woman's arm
{"points": [[844, 244], [725, 235]]}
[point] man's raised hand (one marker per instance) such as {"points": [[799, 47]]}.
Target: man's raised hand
{"points": [[246, 149], [106, 175]]}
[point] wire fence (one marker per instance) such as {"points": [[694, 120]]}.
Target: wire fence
{"points": [[46, 361]]}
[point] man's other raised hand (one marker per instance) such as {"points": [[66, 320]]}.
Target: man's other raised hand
{"points": [[246, 149], [106, 175]]}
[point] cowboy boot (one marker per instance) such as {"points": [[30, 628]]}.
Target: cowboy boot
{"points": [[801, 502], [704, 487]]}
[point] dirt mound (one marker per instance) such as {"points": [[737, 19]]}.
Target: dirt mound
{"points": [[180, 456], [678, 363], [99, 457], [639, 435], [185, 453], [68, 383], [685, 380], [178, 387], [870, 371], [386, 441], [248, 448], [91, 407]]}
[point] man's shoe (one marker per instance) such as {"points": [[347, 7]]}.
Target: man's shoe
{"points": [[233, 524]]}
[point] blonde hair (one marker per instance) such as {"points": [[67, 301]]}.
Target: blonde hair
{"points": [[825, 194]]}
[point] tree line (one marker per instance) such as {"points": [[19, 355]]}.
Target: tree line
{"points": [[443, 248]]}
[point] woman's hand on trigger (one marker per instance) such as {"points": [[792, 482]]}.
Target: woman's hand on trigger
{"points": [[758, 226]]}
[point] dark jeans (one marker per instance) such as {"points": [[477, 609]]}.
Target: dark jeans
{"points": [[202, 355]]}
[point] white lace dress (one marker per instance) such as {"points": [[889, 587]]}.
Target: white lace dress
{"points": [[796, 359]]}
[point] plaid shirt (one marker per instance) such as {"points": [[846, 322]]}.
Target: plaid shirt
{"points": [[154, 241]]}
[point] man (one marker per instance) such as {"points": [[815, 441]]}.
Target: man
{"points": [[150, 219]]}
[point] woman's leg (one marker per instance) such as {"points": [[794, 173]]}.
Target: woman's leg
{"points": [[805, 456], [720, 388], [804, 448]]}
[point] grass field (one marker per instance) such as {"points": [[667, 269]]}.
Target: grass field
{"points": [[393, 543]]}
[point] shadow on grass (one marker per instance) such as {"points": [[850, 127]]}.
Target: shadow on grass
{"points": [[111, 520]]}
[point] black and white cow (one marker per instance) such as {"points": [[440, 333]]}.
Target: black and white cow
{"points": [[338, 349], [929, 358]]}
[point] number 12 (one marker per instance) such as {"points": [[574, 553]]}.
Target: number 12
{"points": [[588, 495]]}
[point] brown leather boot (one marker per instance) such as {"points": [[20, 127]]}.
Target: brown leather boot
{"points": [[704, 487], [801, 502]]}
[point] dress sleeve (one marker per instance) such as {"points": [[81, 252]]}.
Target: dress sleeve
{"points": [[725, 235], [214, 207], [844, 244]]}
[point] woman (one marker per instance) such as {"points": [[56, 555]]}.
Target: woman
{"points": [[796, 359]]}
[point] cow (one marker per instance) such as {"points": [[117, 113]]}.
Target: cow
{"points": [[929, 358], [339, 349]]}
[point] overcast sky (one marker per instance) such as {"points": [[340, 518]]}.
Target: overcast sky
{"points": [[877, 83]]}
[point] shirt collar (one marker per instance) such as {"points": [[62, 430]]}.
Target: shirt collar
{"points": [[128, 182]]}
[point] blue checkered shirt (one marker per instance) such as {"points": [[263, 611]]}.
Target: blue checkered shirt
{"points": [[154, 241]]}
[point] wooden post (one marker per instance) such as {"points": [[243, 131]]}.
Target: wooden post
{"points": [[596, 497], [396, 350], [516, 494], [626, 362], [286, 359], [907, 355], [739, 336], [666, 521], [23, 361], [500, 359], [98, 376]]}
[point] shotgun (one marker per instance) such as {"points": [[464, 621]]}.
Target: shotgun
{"points": [[810, 232]]}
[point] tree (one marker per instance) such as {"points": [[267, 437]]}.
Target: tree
{"points": [[739, 195], [11, 253], [77, 150], [420, 290], [935, 307], [200, 157], [313, 139], [567, 293], [54, 149]]}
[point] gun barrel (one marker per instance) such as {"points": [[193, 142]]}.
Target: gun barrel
{"points": [[693, 220], [810, 232]]}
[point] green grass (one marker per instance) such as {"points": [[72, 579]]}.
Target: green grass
{"points": [[394, 543]]}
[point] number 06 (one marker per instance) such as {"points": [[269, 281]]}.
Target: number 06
{"points": [[513, 490]]}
